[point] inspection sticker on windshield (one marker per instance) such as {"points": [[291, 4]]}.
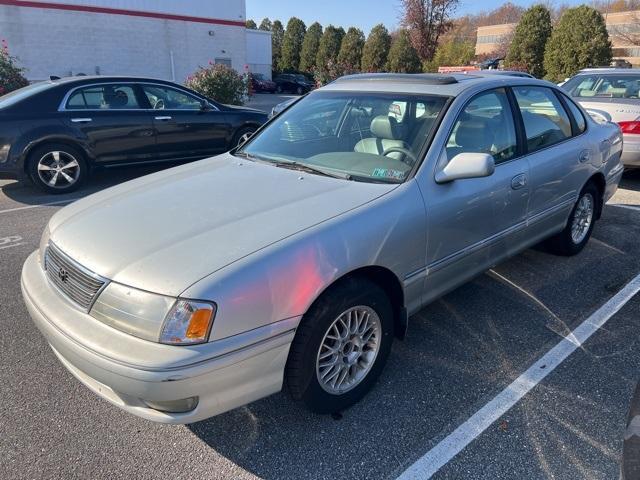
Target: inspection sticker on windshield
{"points": [[388, 173]]}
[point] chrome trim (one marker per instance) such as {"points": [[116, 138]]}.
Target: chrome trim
{"points": [[81, 269], [81, 120], [65, 99], [163, 118]]}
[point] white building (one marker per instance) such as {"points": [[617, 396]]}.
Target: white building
{"points": [[165, 39]]}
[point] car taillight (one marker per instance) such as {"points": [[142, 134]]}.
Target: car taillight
{"points": [[630, 127]]}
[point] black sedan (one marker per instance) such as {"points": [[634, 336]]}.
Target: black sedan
{"points": [[293, 83], [56, 132]]}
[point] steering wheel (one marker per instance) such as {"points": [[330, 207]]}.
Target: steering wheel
{"points": [[406, 152], [159, 105]]}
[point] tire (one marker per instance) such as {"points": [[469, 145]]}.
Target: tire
{"points": [[57, 163], [242, 136], [573, 238], [363, 365]]}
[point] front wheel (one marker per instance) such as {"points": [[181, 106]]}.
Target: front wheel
{"points": [[341, 346], [580, 225], [57, 168], [242, 136]]}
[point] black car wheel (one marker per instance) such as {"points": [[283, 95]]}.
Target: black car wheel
{"points": [[242, 136], [341, 346], [57, 168]]}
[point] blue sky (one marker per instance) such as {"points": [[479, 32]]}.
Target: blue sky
{"points": [[360, 13]]}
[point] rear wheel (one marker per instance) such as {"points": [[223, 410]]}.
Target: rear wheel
{"points": [[57, 168], [341, 346], [580, 225]]}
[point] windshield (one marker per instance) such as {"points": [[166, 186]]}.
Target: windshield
{"points": [[604, 86], [371, 137], [300, 78], [17, 95]]}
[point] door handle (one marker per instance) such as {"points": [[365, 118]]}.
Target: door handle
{"points": [[519, 181], [584, 156], [81, 120], [163, 119]]}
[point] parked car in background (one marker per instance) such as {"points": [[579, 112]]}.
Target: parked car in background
{"points": [[56, 132], [491, 63], [296, 259], [613, 95], [621, 63], [260, 83], [293, 83]]}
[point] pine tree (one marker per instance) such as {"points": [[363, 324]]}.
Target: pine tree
{"points": [[351, 48], [403, 58], [529, 41], [310, 47], [292, 44], [376, 50]]}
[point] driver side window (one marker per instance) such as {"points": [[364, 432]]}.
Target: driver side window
{"points": [[485, 126], [167, 98]]}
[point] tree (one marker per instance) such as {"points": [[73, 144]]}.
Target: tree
{"points": [[277, 35], [351, 48], [426, 21], [329, 46], [219, 82], [251, 25], [452, 52], [265, 25], [11, 76], [310, 47], [376, 50], [292, 44], [403, 58], [529, 40], [579, 40], [506, 13]]}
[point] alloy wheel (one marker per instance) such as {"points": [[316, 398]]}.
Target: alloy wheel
{"points": [[582, 218], [348, 350], [58, 169]]}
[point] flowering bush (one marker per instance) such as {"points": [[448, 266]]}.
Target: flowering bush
{"points": [[331, 71], [11, 76], [221, 83]]}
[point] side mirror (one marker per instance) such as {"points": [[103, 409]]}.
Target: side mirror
{"points": [[467, 165]]}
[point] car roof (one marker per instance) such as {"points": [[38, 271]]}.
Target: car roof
{"points": [[427, 83], [514, 73], [80, 79], [631, 71]]}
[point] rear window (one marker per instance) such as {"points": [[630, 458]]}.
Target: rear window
{"points": [[604, 86], [16, 96]]}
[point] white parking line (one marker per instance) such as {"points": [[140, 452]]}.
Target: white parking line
{"points": [[462, 436], [12, 245], [59, 202]]}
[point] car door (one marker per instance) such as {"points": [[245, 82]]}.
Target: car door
{"points": [[473, 223], [558, 157], [185, 130], [112, 122]]}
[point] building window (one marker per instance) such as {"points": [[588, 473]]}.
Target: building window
{"points": [[223, 61]]}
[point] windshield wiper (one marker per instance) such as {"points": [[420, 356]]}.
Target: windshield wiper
{"points": [[293, 165]]}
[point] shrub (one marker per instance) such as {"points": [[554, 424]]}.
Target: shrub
{"points": [[221, 83], [11, 76], [526, 51]]}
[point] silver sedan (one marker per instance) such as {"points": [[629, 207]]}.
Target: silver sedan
{"points": [[298, 258]]}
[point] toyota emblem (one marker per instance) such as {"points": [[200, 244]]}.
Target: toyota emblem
{"points": [[63, 275]]}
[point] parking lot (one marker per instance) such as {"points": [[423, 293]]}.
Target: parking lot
{"points": [[460, 355]]}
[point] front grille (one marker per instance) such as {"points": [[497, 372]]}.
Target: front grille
{"points": [[77, 283]]}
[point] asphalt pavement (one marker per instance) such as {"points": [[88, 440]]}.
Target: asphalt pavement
{"points": [[460, 353]]}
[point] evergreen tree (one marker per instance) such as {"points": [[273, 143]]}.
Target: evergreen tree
{"points": [[292, 44], [376, 50], [403, 58], [265, 25], [277, 35], [251, 25], [310, 47], [351, 48], [329, 46], [529, 41], [579, 40]]}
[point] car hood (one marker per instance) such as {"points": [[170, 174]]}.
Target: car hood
{"points": [[166, 231], [236, 108]]}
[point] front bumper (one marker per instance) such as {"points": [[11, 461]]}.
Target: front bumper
{"points": [[232, 378], [631, 150]]}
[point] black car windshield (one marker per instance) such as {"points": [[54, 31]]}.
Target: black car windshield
{"points": [[374, 137], [604, 85], [16, 96]]}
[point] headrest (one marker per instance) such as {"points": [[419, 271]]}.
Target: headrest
{"points": [[386, 127], [474, 136]]}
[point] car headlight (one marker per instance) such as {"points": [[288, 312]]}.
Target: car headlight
{"points": [[44, 241], [154, 317], [4, 152]]}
